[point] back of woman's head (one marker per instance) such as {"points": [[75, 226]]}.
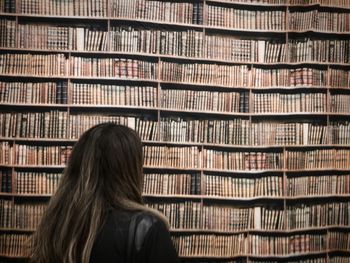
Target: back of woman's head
{"points": [[107, 160], [104, 170]]}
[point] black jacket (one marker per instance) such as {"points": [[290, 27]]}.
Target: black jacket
{"points": [[111, 244]]}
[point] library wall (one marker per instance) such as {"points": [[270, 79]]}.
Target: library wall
{"points": [[243, 107]]}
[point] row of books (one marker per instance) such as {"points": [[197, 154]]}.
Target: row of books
{"points": [[20, 216], [205, 131], [8, 6], [172, 12], [15, 245], [6, 181], [192, 215], [318, 159], [221, 245], [47, 37], [222, 186], [318, 185], [261, 102], [225, 160], [179, 157], [104, 94], [215, 74], [7, 32], [113, 67], [339, 241], [276, 20], [318, 215], [290, 77], [78, 124], [34, 155], [57, 65], [330, 259], [339, 259], [343, 3], [226, 186], [319, 20], [38, 36], [52, 124], [100, 94], [318, 50], [184, 215], [290, 133], [90, 39], [186, 157], [190, 157], [58, 124], [171, 184], [64, 8], [229, 48], [228, 17], [338, 78], [209, 245], [42, 183], [31, 64], [280, 102], [139, 8], [189, 43], [34, 93], [232, 245], [339, 133], [282, 245], [197, 100], [225, 218], [193, 43], [299, 77], [267, 218], [272, 2], [340, 103], [190, 184], [146, 96]]}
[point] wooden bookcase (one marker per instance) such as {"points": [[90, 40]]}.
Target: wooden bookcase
{"points": [[242, 106]]}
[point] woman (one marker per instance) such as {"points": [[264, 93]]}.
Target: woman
{"points": [[97, 214]]}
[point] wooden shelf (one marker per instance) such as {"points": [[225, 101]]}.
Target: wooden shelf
{"points": [[283, 201]]}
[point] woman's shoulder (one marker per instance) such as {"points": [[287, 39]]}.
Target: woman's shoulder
{"points": [[139, 225], [139, 220], [138, 215]]}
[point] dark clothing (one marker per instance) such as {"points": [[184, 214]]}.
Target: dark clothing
{"points": [[112, 242]]}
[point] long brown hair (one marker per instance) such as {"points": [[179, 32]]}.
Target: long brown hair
{"points": [[104, 170]]}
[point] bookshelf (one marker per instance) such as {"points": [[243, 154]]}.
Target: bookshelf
{"points": [[242, 107]]}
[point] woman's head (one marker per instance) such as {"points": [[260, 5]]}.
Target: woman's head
{"points": [[104, 170], [107, 160]]}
